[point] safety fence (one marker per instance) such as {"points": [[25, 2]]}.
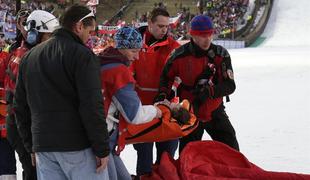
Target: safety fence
{"points": [[228, 44]]}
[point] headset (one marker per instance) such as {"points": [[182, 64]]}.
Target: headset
{"points": [[33, 34]]}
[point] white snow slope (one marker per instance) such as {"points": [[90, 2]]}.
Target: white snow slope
{"points": [[270, 108]]}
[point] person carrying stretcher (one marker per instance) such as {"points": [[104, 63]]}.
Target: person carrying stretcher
{"points": [[123, 109]]}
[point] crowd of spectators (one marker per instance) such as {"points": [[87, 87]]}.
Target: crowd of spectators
{"points": [[10, 6], [8, 9], [226, 14]]}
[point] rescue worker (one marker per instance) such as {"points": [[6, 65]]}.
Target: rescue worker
{"points": [[206, 73], [119, 93], [157, 46], [38, 28], [7, 154]]}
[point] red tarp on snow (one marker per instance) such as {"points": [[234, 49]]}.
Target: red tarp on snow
{"points": [[214, 161]]}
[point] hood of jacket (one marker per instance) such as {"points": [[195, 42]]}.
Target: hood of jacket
{"points": [[112, 55]]}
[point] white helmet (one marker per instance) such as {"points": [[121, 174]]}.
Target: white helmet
{"points": [[42, 21]]}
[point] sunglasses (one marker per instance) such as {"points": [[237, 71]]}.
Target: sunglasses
{"points": [[22, 14], [91, 14]]}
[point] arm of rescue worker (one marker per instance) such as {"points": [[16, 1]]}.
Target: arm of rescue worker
{"points": [[227, 86], [168, 75], [128, 103], [166, 80], [88, 85], [4, 58], [22, 111], [223, 88]]}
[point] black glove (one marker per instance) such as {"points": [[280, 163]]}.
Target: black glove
{"points": [[160, 97], [207, 73], [201, 93], [202, 89]]}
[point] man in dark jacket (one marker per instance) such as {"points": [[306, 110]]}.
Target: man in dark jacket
{"points": [[207, 76], [59, 105]]}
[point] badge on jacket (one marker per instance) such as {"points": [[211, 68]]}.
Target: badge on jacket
{"points": [[230, 74]]}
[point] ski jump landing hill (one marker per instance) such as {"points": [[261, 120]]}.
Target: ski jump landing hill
{"points": [[270, 108]]}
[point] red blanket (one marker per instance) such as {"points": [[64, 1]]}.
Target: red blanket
{"points": [[213, 160]]}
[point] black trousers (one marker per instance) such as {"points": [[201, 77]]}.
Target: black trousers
{"points": [[219, 129], [7, 158], [29, 171]]}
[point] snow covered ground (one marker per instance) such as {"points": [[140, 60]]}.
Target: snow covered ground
{"points": [[270, 108]]}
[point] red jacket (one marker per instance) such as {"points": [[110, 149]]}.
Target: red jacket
{"points": [[3, 113], [4, 58], [148, 68], [9, 64], [112, 80], [12, 69], [115, 75], [188, 62]]}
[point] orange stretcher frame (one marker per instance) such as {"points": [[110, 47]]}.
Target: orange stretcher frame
{"points": [[157, 130]]}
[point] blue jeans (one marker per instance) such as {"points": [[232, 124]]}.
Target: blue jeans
{"points": [[116, 167], [145, 154], [73, 165]]}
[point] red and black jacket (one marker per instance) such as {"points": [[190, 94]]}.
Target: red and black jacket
{"points": [[188, 62]]}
